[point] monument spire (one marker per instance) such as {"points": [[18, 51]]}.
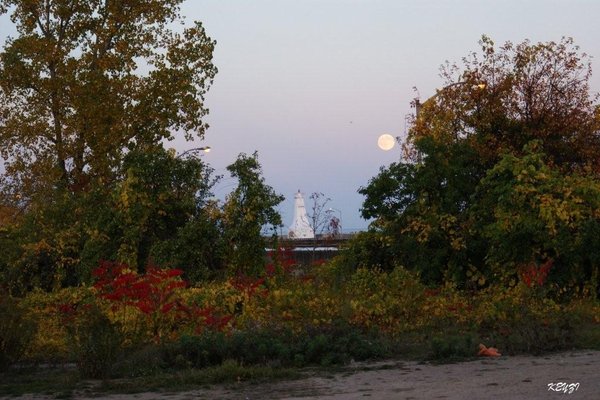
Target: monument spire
{"points": [[300, 228]]}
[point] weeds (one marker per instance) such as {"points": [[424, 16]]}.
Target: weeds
{"points": [[147, 329]]}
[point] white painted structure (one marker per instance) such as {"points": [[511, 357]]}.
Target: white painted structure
{"points": [[300, 228]]}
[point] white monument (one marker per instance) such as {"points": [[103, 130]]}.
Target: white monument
{"points": [[300, 228]]}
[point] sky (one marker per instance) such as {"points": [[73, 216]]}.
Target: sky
{"points": [[311, 84]]}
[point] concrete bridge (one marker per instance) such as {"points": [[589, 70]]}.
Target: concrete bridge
{"points": [[318, 242], [308, 251]]}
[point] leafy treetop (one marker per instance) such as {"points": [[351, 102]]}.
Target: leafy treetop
{"points": [[504, 97], [84, 80]]}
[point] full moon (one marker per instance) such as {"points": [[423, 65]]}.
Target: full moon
{"points": [[386, 142]]}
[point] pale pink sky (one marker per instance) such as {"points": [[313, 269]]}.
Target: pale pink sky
{"points": [[311, 84]]}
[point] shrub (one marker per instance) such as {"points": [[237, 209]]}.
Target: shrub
{"points": [[199, 351], [263, 347], [449, 347], [518, 320], [370, 249], [95, 341], [50, 343], [17, 329], [388, 301], [153, 294], [144, 361]]}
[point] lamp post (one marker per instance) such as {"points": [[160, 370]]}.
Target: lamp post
{"points": [[339, 223], [205, 149], [387, 142], [419, 105]]}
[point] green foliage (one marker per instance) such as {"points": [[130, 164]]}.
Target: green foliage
{"points": [[371, 249], [390, 301], [249, 208], [502, 174], [530, 212], [449, 347], [17, 329], [43, 248], [112, 329], [58, 243], [261, 347], [420, 208], [190, 379], [94, 340], [82, 134], [73, 98], [518, 321], [159, 211], [159, 194], [144, 361], [197, 248], [50, 344]]}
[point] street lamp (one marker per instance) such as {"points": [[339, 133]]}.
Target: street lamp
{"points": [[205, 149], [419, 105], [387, 142], [339, 224]]}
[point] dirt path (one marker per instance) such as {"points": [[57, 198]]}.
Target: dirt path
{"points": [[503, 378], [521, 377]]}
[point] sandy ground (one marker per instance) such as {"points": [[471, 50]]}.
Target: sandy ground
{"points": [[521, 377]]}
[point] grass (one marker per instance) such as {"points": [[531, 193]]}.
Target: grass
{"points": [[64, 383], [448, 327], [55, 382], [192, 378], [588, 337]]}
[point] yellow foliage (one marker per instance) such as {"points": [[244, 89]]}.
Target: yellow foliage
{"points": [[394, 303], [50, 341]]}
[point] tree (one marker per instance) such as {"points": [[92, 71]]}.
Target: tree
{"points": [[153, 207], [84, 80], [444, 212], [158, 194], [530, 214], [249, 208], [508, 96], [419, 208], [198, 248], [318, 217]]}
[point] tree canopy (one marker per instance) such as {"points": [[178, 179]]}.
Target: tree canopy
{"points": [[504, 97], [84, 81], [247, 209], [503, 170]]}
